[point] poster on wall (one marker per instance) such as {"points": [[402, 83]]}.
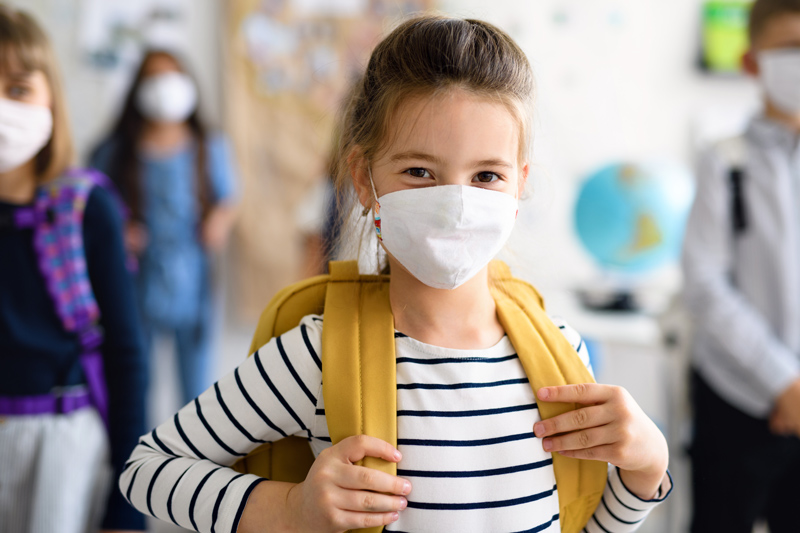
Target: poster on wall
{"points": [[288, 66]]}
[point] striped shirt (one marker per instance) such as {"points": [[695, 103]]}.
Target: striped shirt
{"points": [[465, 428]]}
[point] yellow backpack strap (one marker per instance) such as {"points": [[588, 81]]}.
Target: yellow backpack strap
{"points": [[519, 308], [358, 360]]}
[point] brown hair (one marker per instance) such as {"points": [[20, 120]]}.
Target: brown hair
{"points": [[24, 44], [124, 166], [424, 56], [765, 10]]}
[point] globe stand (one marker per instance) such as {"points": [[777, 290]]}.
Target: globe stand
{"points": [[618, 301]]}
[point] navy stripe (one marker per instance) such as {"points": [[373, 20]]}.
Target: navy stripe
{"points": [[254, 406], [212, 432], [196, 494], [611, 486], [615, 517], [475, 473], [172, 492], [320, 412], [464, 443], [542, 527], [153, 482], [482, 505], [398, 335], [215, 512], [232, 418], [161, 444], [475, 412], [133, 480], [324, 439], [277, 394], [444, 360], [446, 386], [294, 372], [596, 521], [309, 347], [241, 505], [186, 439]]}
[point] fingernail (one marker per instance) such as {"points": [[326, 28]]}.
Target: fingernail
{"points": [[397, 455], [403, 503], [406, 487], [543, 393], [538, 429], [547, 444], [395, 517]]}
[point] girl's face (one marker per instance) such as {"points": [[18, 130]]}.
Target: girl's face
{"points": [[25, 87], [159, 64], [453, 139]]}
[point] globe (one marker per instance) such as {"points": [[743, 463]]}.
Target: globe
{"points": [[631, 217]]}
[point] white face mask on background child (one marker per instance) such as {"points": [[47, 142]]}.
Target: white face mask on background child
{"points": [[444, 235], [167, 97], [24, 130], [780, 76]]}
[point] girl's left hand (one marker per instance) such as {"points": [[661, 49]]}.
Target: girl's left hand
{"points": [[612, 428]]}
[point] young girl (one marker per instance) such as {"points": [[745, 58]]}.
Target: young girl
{"points": [[178, 182], [434, 142], [66, 311]]}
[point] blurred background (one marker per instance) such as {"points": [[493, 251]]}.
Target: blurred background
{"points": [[628, 91]]}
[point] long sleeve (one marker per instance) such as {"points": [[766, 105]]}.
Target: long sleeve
{"points": [[619, 510], [123, 354], [721, 312], [180, 471]]}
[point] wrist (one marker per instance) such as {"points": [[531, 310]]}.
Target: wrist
{"points": [[644, 484], [268, 504]]}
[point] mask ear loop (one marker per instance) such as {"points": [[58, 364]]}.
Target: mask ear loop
{"points": [[376, 208]]}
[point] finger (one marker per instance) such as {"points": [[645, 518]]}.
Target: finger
{"points": [[362, 478], [583, 393], [354, 449], [598, 453], [353, 520], [578, 419], [579, 440], [368, 501]]}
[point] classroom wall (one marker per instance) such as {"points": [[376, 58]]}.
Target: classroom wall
{"points": [[616, 81]]}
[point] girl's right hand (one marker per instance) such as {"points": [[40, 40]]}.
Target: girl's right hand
{"points": [[336, 496]]}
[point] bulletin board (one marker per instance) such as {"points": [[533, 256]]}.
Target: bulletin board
{"points": [[288, 65]]}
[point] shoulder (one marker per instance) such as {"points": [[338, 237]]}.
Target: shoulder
{"points": [[574, 338]]}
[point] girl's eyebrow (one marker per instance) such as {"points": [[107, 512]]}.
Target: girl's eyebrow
{"points": [[422, 156]]}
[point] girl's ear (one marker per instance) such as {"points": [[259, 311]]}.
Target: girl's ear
{"points": [[750, 63], [523, 178], [359, 170]]}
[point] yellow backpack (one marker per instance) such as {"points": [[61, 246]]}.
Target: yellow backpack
{"points": [[358, 354]]}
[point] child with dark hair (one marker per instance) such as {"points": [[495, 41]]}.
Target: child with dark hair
{"points": [[742, 269]]}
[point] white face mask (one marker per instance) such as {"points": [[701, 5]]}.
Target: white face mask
{"points": [[168, 97], [780, 76], [444, 235], [24, 130]]}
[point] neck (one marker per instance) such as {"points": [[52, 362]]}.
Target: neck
{"points": [[164, 136], [462, 318], [792, 122], [18, 185]]}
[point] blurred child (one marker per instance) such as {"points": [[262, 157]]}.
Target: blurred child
{"points": [[742, 269], [435, 142], [178, 182], [70, 350]]}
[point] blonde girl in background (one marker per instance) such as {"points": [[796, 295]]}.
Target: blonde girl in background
{"points": [[71, 363], [434, 147]]}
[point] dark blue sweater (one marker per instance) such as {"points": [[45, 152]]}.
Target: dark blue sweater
{"points": [[37, 354]]}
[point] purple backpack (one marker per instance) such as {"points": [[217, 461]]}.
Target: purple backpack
{"points": [[56, 217]]}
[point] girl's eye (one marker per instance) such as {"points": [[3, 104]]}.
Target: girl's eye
{"points": [[487, 177], [418, 173], [18, 91]]}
